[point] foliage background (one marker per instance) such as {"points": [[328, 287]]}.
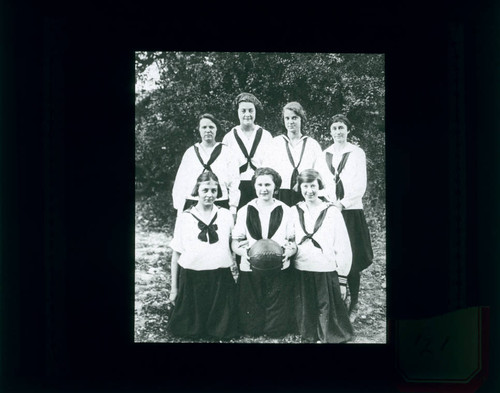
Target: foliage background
{"points": [[190, 83]]}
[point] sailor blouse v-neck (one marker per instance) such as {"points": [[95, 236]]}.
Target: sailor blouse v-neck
{"points": [[353, 175], [261, 152], [203, 255], [280, 161], [280, 236], [224, 167], [335, 253]]}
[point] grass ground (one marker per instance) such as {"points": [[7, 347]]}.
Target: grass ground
{"points": [[152, 286]]}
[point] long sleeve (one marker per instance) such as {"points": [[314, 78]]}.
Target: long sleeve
{"points": [[341, 246], [271, 155], [354, 179], [233, 181], [179, 190], [316, 153], [320, 165]]}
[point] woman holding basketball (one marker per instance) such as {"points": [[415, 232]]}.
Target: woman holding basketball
{"points": [[264, 296], [203, 289], [322, 263]]}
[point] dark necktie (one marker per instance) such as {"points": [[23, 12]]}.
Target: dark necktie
{"points": [[207, 231], [317, 225], [247, 155], [215, 153], [295, 173], [339, 186]]}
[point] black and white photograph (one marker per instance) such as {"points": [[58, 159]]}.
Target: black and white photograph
{"points": [[260, 197], [183, 182]]}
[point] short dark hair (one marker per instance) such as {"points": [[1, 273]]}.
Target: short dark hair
{"points": [[342, 119], [247, 97], [212, 118], [296, 108], [207, 176], [267, 171], [308, 176]]}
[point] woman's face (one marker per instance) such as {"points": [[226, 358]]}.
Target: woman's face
{"points": [[246, 113], [207, 193], [339, 132], [208, 130], [264, 187], [310, 191], [293, 122]]}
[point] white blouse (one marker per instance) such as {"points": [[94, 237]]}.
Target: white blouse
{"points": [[201, 255], [224, 167], [281, 163], [353, 175], [260, 154], [335, 253], [281, 235]]}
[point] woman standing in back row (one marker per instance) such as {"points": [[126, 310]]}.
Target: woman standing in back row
{"points": [[248, 142], [207, 155], [293, 152], [343, 168]]}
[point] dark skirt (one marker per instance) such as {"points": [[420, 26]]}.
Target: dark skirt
{"points": [[265, 300], [190, 202], [247, 193], [205, 305], [359, 235], [289, 197], [319, 309]]}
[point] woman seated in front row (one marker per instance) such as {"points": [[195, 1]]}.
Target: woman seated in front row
{"points": [[203, 289], [322, 263], [264, 297]]}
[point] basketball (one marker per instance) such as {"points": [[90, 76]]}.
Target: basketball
{"points": [[265, 254]]}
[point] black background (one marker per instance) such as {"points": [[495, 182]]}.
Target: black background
{"points": [[67, 188]]}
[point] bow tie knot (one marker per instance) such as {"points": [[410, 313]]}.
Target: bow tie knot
{"points": [[209, 231]]}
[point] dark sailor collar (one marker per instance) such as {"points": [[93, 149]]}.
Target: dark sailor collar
{"points": [[277, 203]]}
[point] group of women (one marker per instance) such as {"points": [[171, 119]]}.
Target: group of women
{"points": [[252, 186]]}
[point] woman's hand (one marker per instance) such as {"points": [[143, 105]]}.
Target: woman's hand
{"points": [[289, 251], [343, 292], [243, 244], [338, 205], [243, 247], [173, 296]]}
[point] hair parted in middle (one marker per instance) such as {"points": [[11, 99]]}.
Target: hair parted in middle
{"points": [[296, 108], [206, 176], [270, 172], [308, 176], [213, 119]]}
